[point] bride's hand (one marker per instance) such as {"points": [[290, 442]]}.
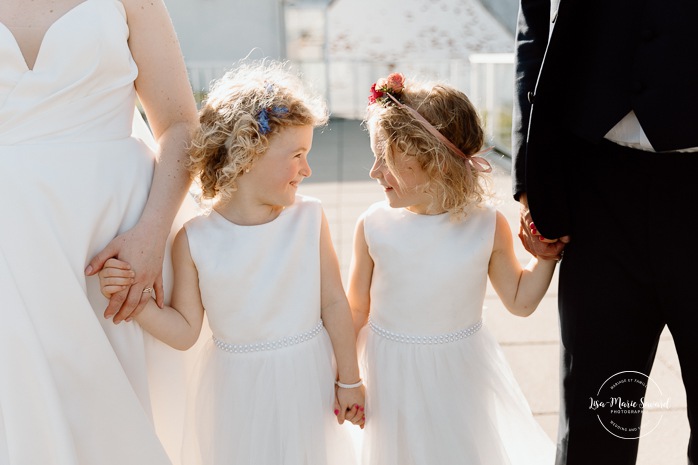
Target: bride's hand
{"points": [[145, 254]]}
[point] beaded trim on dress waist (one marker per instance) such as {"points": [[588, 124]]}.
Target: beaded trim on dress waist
{"points": [[431, 339], [269, 345]]}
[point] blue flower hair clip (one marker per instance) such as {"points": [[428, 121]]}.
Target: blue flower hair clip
{"points": [[263, 117]]}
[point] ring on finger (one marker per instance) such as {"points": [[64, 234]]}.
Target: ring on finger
{"points": [[148, 290]]}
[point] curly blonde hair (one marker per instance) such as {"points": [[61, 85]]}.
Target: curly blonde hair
{"points": [[243, 111], [455, 186]]}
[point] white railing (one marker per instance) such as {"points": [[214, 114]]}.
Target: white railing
{"points": [[491, 89], [486, 78]]}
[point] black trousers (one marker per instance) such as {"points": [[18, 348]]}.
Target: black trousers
{"points": [[630, 270]]}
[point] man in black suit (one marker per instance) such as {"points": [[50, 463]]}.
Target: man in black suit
{"points": [[606, 155]]}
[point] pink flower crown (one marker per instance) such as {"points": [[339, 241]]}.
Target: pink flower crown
{"points": [[392, 85], [388, 90]]}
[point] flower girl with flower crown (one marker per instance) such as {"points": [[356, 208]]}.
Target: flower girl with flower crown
{"points": [[439, 390]]}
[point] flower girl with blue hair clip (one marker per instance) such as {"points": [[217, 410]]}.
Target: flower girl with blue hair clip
{"points": [[262, 265]]}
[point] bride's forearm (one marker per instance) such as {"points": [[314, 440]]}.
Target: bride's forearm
{"points": [[171, 180]]}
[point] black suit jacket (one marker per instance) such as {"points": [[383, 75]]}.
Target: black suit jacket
{"points": [[581, 66]]}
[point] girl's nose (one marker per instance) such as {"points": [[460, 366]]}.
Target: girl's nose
{"points": [[377, 169], [305, 169]]}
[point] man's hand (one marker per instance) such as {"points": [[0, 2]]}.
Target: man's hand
{"points": [[537, 245]]}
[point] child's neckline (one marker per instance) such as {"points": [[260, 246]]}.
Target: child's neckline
{"points": [[249, 225], [428, 215]]}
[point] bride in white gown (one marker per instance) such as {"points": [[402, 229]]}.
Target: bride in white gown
{"points": [[73, 386]]}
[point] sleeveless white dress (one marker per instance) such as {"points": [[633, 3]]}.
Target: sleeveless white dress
{"points": [[73, 386], [439, 390], [263, 392]]}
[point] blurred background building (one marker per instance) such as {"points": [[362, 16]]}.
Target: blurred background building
{"points": [[343, 46]]}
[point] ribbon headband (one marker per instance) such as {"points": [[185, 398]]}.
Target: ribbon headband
{"points": [[478, 163]]}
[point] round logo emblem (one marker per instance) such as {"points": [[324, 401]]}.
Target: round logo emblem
{"points": [[621, 401]]}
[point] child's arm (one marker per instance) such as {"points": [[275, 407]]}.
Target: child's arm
{"points": [[360, 274], [177, 325], [521, 289], [336, 316]]}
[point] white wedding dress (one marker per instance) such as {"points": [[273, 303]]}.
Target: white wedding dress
{"points": [[73, 386]]}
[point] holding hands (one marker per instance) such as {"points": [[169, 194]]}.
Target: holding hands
{"points": [[145, 254], [537, 245], [116, 276], [349, 403]]}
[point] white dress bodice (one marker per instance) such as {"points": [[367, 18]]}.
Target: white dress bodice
{"points": [[84, 65], [236, 265], [416, 257]]}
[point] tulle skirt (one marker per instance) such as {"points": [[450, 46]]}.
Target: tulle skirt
{"points": [[266, 407], [448, 400]]}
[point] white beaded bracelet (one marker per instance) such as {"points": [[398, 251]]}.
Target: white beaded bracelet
{"points": [[349, 386]]}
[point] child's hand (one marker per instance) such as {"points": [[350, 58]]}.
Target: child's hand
{"points": [[115, 276], [349, 405]]}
